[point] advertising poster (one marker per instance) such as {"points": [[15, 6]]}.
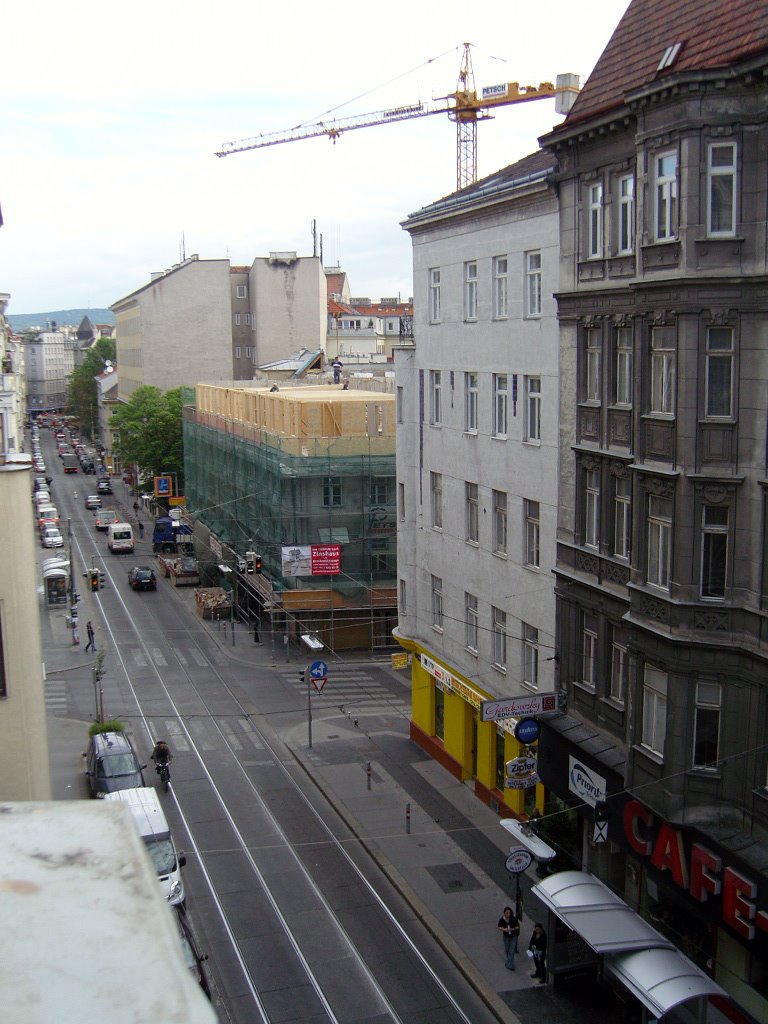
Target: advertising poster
{"points": [[311, 560]]}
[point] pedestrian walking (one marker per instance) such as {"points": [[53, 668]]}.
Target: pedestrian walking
{"points": [[256, 636], [136, 508], [91, 645], [537, 948], [141, 530], [509, 927]]}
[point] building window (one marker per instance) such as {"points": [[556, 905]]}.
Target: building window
{"points": [[626, 238], [706, 733], [500, 286], [500, 386], [499, 633], [379, 490], [249, 351], [619, 666], [500, 522], [470, 291], [719, 400], [437, 602], [248, 318], [595, 233], [399, 398], [592, 359], [530, 656], [439, 713], [434, 296], [3, 680], [436, 499], [721, 181], [240, 291], [332, 491], [237, 319], [238, 351], [659, 540], [654, 709], [663, 371], [470, 618], [435, 396], [714, 550], [666, 196], [589, 651], [622, 516], [470, 402], [501, 761], [532, 534], [403, 601], [472, 512], [533, 409], [533, 284], [401, 501], [592, 508], [623, 368]]}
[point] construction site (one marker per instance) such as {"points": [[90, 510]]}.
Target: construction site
{"points": [[291, 495]]}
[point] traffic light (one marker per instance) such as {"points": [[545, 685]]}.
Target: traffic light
{"points": [[257, 563], [250, 561], [94, 577]]}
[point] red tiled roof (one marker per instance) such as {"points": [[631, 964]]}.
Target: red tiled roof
{"points": [[714, 33], [340, 307]]}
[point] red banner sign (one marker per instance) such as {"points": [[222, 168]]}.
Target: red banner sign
{"points": [[326, 559]]}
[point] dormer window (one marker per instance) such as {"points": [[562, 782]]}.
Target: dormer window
{"points": [[669, 57]]}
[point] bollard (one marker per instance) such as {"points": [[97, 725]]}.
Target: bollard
{"points": [[408, 819], [368, 773]]}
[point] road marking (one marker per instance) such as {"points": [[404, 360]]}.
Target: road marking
{"points": [[157, 657], [198, 658]]}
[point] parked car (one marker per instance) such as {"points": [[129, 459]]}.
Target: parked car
{"points": [[111, 764], [105, 517], [50, 537], [47, 514], [92, 501], [141, 577]]}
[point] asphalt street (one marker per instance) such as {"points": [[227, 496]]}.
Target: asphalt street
{"points": [[438, 847]]}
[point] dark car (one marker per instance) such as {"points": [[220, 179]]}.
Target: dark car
{"points": [[111, 764], [141, 577]]}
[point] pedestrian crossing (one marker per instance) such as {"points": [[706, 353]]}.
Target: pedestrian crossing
{"points": [[56, 701], [351, 688]]}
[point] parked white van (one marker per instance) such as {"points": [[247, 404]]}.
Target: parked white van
{"points": [[149, 819], [119, 537]]}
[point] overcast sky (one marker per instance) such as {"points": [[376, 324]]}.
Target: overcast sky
{"points": [[110, 115]]}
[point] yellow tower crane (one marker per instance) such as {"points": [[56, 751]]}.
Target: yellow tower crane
{"points": [[464, 107]]}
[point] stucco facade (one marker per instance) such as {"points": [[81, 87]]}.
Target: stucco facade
{"points": [[24, 768], [177, 329], [477, 442], [288, 305]]}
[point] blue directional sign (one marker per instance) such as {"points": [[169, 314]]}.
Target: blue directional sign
{"points": [[318, 670]]}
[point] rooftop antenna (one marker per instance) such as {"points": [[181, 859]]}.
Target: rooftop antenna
{"points": [[183, 248]]}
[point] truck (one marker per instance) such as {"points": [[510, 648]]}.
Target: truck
{"points": [[182, 571], [171, 536], [69, 462]]}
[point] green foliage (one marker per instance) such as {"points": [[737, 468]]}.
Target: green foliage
{"points": [[113, 726], [150, 432], [82, 395]]}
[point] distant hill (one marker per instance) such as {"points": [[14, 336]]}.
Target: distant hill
{"points": [[63, 317]]}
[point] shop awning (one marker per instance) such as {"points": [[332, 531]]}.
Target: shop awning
{"points": [[649, 965]]}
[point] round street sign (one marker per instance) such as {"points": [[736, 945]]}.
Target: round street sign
{"points": [[518, 860], [527, 730], [318, 670]]}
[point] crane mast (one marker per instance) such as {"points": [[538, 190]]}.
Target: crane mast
{"points": [[463, 106]]}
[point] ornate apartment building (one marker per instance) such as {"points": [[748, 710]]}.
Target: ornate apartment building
{"points": [[662, 539]]}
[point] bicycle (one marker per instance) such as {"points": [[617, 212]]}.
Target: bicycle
{"points": [[163, 769]]}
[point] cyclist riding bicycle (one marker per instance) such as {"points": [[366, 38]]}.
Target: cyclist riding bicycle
{"points": [[161, 754]]}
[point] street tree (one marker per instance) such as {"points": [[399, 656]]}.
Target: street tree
{"points": [[82, 396], [148, 432]]}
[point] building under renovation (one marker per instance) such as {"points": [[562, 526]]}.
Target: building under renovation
{"points": [[292, 497]]}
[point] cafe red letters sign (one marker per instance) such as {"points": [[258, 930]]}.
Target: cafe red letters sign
{"points": [[701, 873]]}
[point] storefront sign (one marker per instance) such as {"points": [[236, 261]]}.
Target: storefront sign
{"points": [[701, 873], [518, 707], [518, 860], [585, 782], [521, 773], [448, 681], [527, 730]]}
